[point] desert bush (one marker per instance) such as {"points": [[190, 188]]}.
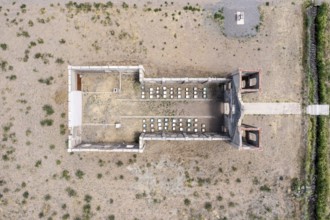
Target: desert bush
{"points": [[4, 46], [40, 41], [47, 81], [48, 109], [38, 163], [62, 129], [218, 16], [88, 198], [26, 194], [59, 61], [66, 216], [187, 202], [191, 8], [23, 33], [125, 5], [71, 192], [66, 175], [119, 163], [265, 188], [47, 197], [4, 65], [11, 77], [208, 206], [80, 174], [46, 122], [111, 217]]}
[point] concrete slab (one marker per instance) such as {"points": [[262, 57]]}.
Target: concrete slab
{"points": [[272, 108], [317, 109]]}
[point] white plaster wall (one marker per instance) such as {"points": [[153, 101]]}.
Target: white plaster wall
{"points": [[75, 108]]}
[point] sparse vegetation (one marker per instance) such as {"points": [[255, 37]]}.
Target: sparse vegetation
{"points": [[80, 174], [208, 206], [46, 122], [191, 8], [26, 194], [119, 163], [59, 61], [48, 109], [71, 192], [38, 163], [66, 175], [23, 33], [322, 149], [11, 77], [62, 129], [218, 16], [187, 202], [47, 81], [4, 46], [265, 188]]}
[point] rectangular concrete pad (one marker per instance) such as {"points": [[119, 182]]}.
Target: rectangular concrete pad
{"points": [[272, 108], [318, 109]]}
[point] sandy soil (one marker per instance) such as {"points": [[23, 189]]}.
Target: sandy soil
{"points": [[38, 173]]}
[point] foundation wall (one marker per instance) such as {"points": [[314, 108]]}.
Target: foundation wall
{"points": [[184, 137]]}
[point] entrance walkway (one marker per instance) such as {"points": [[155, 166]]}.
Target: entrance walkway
{"points": [[272, 108]]}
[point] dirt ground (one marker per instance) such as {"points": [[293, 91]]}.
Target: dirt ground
{"points": [[170, 180]]}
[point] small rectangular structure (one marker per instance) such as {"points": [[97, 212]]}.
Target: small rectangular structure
{"points": [[117, 109]]}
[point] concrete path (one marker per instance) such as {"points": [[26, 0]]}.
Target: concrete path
{"points": [[272, 108], [318, 110]]}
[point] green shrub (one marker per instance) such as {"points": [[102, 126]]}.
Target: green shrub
{"points": [[111, 217], [38, 163], [47, 81], [59, 61], [4, 46], [40, 41], [62, 129], [47, 197], [119, 163], [23, 33], [88, 198], [26, 194], [71, 192], [47, 122], [66, 175], [48, 109], [125, 5], [218, 16], [11, 77], [187, 202], [80, 174], [208, 206], [265, 188]]}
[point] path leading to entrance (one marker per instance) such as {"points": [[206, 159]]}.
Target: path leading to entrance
{"points": [[272, 108]]}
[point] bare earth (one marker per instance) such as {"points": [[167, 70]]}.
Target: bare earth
{"points": [[152, 185]]}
